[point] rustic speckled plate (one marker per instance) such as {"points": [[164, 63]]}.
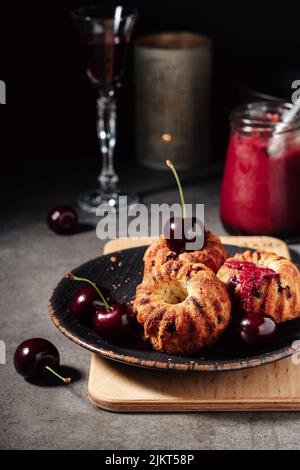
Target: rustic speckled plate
{"points": [[122, 276]]}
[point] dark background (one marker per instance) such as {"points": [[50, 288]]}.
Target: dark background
{"points": [[48, 124]]}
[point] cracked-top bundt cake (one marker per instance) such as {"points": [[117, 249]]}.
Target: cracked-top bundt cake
{"points": [[263, 282], [212, 254], [185, 308]]}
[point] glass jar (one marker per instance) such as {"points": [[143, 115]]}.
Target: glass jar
{"points": [[261, 184]]}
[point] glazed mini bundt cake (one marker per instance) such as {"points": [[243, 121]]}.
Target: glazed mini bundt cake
{"points": [[213, 254], [263, 282], [182, 312]]}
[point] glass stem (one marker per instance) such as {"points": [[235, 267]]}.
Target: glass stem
{"points": [[106, 130]]}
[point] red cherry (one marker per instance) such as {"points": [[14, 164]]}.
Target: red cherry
{"points": [[62, 220], [177, 230], [176, 233], [89, 298], [112, 324], [33, 356], [86, 300], [257, 329], [109, 321], [172, 227]]}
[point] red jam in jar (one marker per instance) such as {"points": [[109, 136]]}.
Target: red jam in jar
{"points": [[261, 184]]}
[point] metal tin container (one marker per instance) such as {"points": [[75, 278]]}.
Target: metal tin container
{"points": [[172, 83]]}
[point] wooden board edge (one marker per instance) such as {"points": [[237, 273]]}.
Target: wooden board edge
{"points": [[230, 405], [117, 405], [247, 240]]}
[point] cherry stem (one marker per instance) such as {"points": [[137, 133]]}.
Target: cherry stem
{"points": [[82, 279], [171, 166], [66, 380]]}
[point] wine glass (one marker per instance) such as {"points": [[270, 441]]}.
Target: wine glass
{"points": [[106, 33]]}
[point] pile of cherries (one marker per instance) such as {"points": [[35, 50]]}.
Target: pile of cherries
{"points": [[255, 329], [95, 306]]}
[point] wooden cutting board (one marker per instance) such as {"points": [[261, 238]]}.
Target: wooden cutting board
{"points": [[123, 388]]}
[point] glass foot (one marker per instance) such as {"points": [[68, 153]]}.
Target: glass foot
{"points": [[91, 200]]}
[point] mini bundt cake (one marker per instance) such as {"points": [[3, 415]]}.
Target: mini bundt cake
{"points": [[213, 254], [263, 282], [182, 313]]}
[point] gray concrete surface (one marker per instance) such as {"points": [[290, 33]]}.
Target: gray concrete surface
{"points": [[61, 417]]}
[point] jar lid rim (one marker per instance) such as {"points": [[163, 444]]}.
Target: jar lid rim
{"points": [[254, 116]]}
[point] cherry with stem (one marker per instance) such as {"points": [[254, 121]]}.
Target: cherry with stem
{"points": [[66, 380], [72, 277], [181, 195], [33, 356], [110, 322], [175, 229]]}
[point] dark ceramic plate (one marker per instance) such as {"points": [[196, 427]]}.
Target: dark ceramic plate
{"points": [[122, 272]]}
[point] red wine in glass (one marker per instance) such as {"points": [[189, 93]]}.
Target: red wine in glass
{"points": [[106, 33], [106, 60]]}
